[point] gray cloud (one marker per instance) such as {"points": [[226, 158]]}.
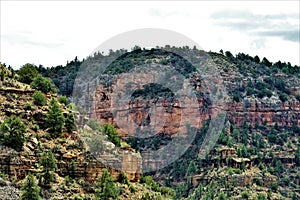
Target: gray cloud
{"points": [[292, 35], [247, 15], [277, 25], [240, 25], [25, 39]]}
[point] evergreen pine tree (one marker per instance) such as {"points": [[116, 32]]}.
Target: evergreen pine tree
{"points": [[43, 84], [110, 190], [221, 196], [55, 119], [72, 170], [49, 165], [30, 189], [3, 72], [27, 73], [12, 132], [112, 134], [192, 168], [106, 187], [70, 123]]}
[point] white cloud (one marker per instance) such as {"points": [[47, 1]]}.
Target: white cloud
{"points": [[52, 32]]}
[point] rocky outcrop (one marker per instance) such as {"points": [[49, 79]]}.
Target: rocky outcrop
{"points": [[9, 192], [18, 164], [170, 111], [264, 111], [164, 115], [245, 179], [16, 91], [88, 167]]}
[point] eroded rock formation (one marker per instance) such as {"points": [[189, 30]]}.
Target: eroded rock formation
{"points": [[170, 111]]}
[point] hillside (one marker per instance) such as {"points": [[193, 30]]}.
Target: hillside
{"points": [[29, 139], [256, 155]]}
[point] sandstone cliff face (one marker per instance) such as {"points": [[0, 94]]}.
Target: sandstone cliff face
{"points": [[267, 110], [164, 115], [170, 112]]}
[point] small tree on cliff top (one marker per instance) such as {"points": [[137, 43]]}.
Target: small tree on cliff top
{"points": [[43, 84], [27, 73]]}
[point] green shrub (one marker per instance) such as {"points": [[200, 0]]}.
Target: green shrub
{"points": [[283, 97], [261, 85], [150, 182], [245, 195], [236, 97], [287, 91], [264, 92], [82, 182], [272, 137], [123, 178], [39, 98], [112, 134], [12, 132], [27, 106], [69, 181], [15, 96], [221, 196], [132, 189], [192, 168], [78, 197], [166, 191], [63, 100], [93, 124], [274, 186], [261, 197], [43, 84], [286, 181], [27, 73], [294, 196], [280, 84], [106, 188], [258, 181], [35, 127], [95, 143]]}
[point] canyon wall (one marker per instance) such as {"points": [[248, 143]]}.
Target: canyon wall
{"points": [[170, 111]]}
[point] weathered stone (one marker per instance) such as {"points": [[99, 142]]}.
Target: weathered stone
{"points": [[169, 115]]}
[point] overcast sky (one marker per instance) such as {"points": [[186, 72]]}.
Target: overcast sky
{"points": [[50, 33]]}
